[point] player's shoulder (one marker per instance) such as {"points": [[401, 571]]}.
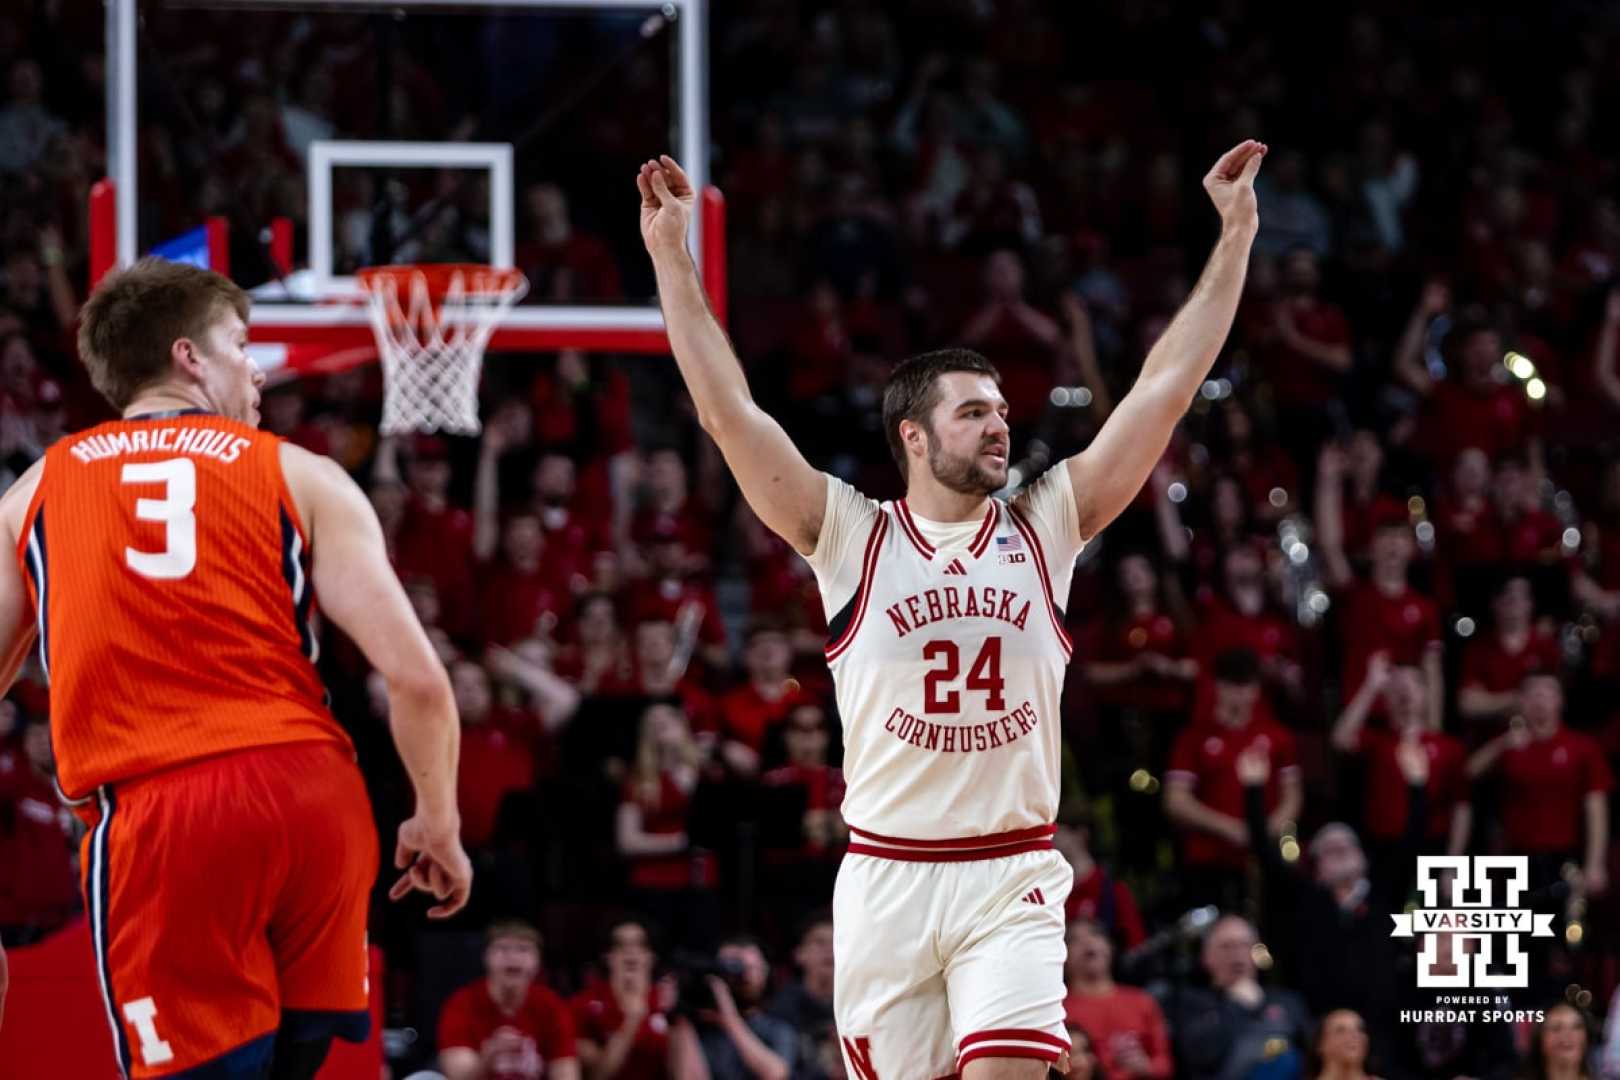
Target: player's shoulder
{"points": [[18, 497]]}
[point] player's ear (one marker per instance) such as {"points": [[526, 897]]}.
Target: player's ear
{"points": [[911, 433], [185, 356]]}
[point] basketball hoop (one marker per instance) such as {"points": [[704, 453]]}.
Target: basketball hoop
{"points": [[432, 322]]}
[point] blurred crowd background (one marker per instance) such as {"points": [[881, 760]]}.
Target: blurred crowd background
{"points": [[1368, 606]]}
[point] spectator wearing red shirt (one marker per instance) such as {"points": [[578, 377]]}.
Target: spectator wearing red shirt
{"points": [[1494, 665], [749, 712], [673, 593], [577, 535], [1468, 532], [1025, 342], [1352, 474], [1531, 535], [668, 514], [1140, 658], [1556, 784], [1096, 894], [659, 670], [518, 596], [1266, 472], [506, 1026], [1203, 795], [563, 262], [435, 539], [1476, 405], [1243, 616], [623, 1027], [1382, 613], [598, 656], [1125, 1025], [807, 740], [1384, 813], [668, 876], [39, 889], [1305, 351], [497, 753]]}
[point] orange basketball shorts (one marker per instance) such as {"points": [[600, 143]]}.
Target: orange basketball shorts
{"points": [[228, 897]]}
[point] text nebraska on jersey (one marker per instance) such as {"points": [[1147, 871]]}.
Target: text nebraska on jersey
{"points": [[202, 442], [957, 602]]}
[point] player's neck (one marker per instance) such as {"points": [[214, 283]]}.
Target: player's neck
{"points": [[162, 399], [927, 498]]}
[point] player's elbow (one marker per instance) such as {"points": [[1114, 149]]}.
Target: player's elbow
{"points": [[422, 688]]}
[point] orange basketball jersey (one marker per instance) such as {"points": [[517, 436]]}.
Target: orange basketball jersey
{"points": [[169, 572]]}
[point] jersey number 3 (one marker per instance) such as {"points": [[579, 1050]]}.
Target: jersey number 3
{"points": [[985, 674], [175, 510]]}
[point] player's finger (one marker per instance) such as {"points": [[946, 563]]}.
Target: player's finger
{"points": [[647, 196], [1232, 161], [1252, 165], [661, 188], [401, 887], [402, 855], [455, 902], [676, 173], [441, 881]]}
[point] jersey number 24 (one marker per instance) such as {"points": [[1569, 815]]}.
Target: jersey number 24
{"points": [[984, 674]]}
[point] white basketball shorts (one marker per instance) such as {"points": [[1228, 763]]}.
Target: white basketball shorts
{"points": [[937, 963]]}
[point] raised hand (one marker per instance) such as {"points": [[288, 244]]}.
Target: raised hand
{"points": [[1436, 298], [1230, 184], [666, 204], [1253, 766], [1412, 757]]}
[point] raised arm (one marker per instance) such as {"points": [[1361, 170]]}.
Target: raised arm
{"points": [[358, 591], [788, 495], [1108, 474], [1409, 366]]}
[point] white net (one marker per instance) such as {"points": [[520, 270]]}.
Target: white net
{"points": [[433, 324]]}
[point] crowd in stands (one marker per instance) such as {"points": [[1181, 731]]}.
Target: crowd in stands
{"points": [[1367, 607]]}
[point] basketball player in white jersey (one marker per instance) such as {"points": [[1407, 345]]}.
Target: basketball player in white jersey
{"points": [[947, 649]]}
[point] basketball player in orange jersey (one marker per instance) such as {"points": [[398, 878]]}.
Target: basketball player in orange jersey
{"points": [[947, 653], [167, 565]]}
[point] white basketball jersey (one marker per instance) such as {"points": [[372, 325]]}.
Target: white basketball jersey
{"points": [[947, 649]]}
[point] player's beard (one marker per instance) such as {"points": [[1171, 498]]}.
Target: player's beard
{"points": [[962, 474]]}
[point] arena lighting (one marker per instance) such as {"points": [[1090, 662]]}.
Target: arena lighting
{"points": [[1520, 365], [1535, 389]]}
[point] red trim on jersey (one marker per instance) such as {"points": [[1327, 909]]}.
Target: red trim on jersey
{"points": [[1005, 1043], [986, 531], [975, 855], [981, 539], [1046, 579], [863, 592], [961, 843], [1016, 1035], [909, 527]]}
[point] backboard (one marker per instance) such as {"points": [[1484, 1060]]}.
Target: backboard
{"points": [[309, 138]]}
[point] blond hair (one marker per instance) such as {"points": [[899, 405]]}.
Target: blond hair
{"points": [[128, 327]]}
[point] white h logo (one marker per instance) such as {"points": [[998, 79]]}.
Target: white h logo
{"points": [[1479, 921]]}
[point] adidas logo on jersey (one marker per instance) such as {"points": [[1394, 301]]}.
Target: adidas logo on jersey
{"points": [[956, 567], [1034, 897]]}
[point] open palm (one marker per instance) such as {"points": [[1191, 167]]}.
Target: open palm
{"points": [[666, 203]]}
